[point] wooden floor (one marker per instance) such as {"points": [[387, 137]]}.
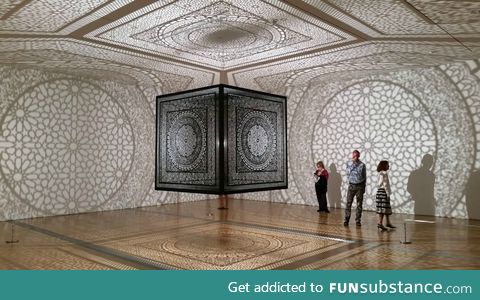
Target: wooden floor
{"points": [[248, 235]]}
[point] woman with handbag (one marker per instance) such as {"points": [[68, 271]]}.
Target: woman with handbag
{"points": [[321, 183]]}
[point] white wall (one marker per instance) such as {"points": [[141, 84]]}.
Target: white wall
{"points": [[404, 117], [74, 144]]}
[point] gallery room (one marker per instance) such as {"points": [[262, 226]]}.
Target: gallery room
{"points": [[187, 135]]}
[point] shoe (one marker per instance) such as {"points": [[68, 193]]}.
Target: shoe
{"points": [[359, 224], [380, 226], [327, 211], [391, 226], [345, 223]]}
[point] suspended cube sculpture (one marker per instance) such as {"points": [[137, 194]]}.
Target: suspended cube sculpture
{"points": [[221, 140]]}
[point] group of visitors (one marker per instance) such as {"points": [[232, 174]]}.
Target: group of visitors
{"points": [[357, 179]]}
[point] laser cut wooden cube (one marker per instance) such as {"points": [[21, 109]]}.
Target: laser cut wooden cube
{"points": [[221, 140]]}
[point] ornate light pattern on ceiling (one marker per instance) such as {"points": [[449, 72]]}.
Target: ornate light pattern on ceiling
{"points": [[83, 58], [397, 18], [6, 6], [94, 15], [32, 17], [389, 17], [456, 17], [226, 34], [366, 57], [222, 34], [64, 62]]}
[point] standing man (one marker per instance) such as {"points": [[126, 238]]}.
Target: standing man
{"points": [[357, 178]]}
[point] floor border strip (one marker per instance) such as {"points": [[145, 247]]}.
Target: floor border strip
{"points": [[261, 226], [148, 263]]}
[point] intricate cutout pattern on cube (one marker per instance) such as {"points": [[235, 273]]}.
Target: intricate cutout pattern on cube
{"points": [[221, 140]]}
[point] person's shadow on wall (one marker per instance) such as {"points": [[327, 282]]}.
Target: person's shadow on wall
{"points": [[421, 187], [472, 194], [334, 188]]}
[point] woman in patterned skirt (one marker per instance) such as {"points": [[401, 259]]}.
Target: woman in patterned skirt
{"points": [[383, 195]]}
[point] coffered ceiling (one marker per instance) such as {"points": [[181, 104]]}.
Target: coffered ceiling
{"points": [[251, 43]]}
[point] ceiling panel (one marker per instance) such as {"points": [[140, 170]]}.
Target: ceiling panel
{"points": [[84, 58], [361, 58], [222, 34], [386, 17], [45, 16], [253, 43], [459, 18]]}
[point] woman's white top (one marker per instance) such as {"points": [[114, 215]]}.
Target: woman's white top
{"points": [[383, 182]]}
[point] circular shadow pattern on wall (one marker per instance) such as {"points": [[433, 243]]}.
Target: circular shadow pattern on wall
{"points": [[68, 146], [382, 120]]}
